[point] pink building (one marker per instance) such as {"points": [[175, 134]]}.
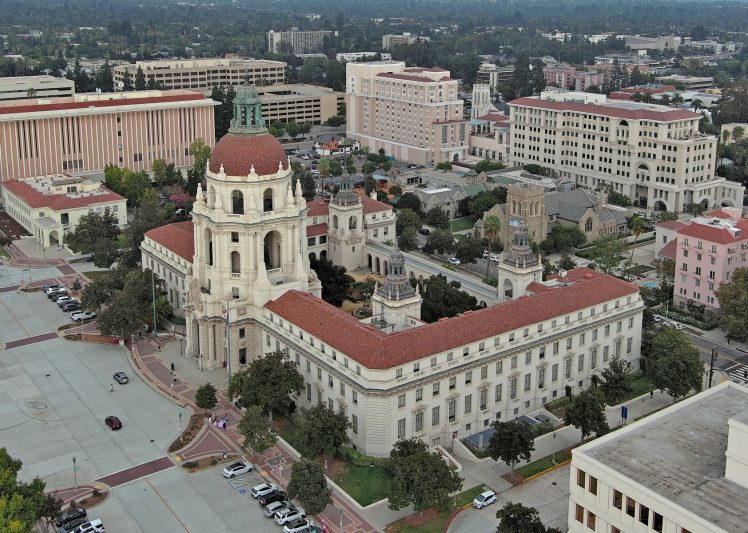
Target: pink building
{"points": [[86, 132], [709, 250], [568, 77]]}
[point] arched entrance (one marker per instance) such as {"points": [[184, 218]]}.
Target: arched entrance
{"points": [[312, 256], [508, 289], [237, 202], [208, 242], [377, 266], [54, 238], [323, 254], [456, 158], [659, 205], [368, 261], [705, 203], [236, 267], [727, 203], [272, 250]]}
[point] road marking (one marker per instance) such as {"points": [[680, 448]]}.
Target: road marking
{"points": [[167, 506]]}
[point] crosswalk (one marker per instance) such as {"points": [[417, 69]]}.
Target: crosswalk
{"points": [[738, 373]]}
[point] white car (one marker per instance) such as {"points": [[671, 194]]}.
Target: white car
{"points": [[274, 507], [78, 316], [483, 499], [454, 260], [62, 299], [678, 326], [94, 526], [262, 489], [494, 257], [237, 469], [485, 254], [657, 318], [289, 514], [297, 526]]}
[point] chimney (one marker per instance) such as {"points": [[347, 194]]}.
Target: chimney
{"points": [[736, 468]]}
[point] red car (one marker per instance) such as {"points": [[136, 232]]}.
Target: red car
{"points": [[113, 422]]}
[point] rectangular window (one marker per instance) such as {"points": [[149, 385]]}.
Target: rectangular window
{"points": [[498, 391], [581, 339], [580, 362], [629, 343], [580, 478], [630, 507], [329, 380], [568, 343], [554, 372], [398, 372], [433, 362], [468, 403], [435, 389], [541, 377], [416, 367], [354, 396], [319, 374], [593, 358], [435, 416], [594, 334], [484, 372], [452, 382], [342, 388], [643, 514], [308, 366], [617, 499], [657, 522], [555, 348], [234, 236], [401, 428], [354, 424], [567, 368], [528, 358], [401, 400], [468, 377], [241, 333], [499, 367], [513, 388], [419, 421], [419, 394], [606, 350], [593, 485], [607, 330], [528, 381], [579, 514], [452, 409], [513, 362], [591, 520]]}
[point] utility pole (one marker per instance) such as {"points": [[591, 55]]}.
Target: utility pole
{"points": [[711, 366], [153, 300]]}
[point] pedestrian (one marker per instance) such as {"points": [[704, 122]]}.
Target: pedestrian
{"points": [[651, 393], [111, 387], [159, 347], [210, 419]]}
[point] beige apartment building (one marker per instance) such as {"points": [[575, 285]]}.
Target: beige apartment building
{"points": [[24, 87], [390, 40], [414, 114], [86, 132], [300, 42], [204, 74], [652, 153], [299, 103]]}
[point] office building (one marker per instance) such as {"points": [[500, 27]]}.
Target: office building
{"points": [[297, 42], [414, 114], [86, 132], [299, 103], [49, 207], [358, 56], [683, 469], [689, 83], [568, 77], [653, 154], [390, 40], [26, 87], [204, 74], [494, 75]]}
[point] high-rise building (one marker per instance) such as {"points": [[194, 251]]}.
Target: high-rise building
{"points": [[390, 40], [653, 154], [299, 103], [568, 77], [683, 469], [494, 75], [27, 87], [203, 74], [86, 132], [414, 114], [297, 42]]}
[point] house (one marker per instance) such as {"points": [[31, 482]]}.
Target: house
{"points": [[332, 144]]}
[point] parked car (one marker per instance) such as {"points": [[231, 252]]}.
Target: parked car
{"points": [[73, 524], [71, 305], [94, 526], [297, 526], [274, 507], [56, 293], [262, 489], [424, 231], [454, 260], [657, 318], [237, 469], [53, 287], [678, 326], [494, 257], [79, 316], [72, 513], [62, 299], [113, 422], [289, 514], [121, 378], [483, 499], [275, 496]]}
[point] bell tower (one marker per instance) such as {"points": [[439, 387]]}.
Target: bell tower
{"points": [[346, 223], [396, 305], [518, 267]]}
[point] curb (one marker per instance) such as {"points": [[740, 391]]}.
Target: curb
{"points": [[548, 471], [454, 514]]}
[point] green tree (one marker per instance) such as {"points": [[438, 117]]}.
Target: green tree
{"points": [[410, 201], [308, 185], [733, 305], [205, 396], [673, 363], [512, 442], [21, 504], [200, 153], [468, 249], [323, 431], [586, 412], [407, 240], [617, 381], [121, 318], [566, 263], [127, 81], [309, 485], [148, 216], [104, 78], [537, 77], [49, 510], [92, 228], [104, 253], [437, 218], [139, 80], [367, 169], [136, 184], [516, 518], [336, 169], [334, 280], [267, 383], [608, 254], [292, 129], [637, 226], [407, 218], [616, 198], [440, 241], [486, 165], [114, 179], [254, 426], [420, 477], [566, 237], [491, 228], [444, 165], [695, 209], [442, 298]]}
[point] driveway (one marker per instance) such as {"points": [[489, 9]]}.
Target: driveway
{"points": [[55, 394]]}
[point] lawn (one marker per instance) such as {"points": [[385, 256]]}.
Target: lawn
{"points": [[365, 484], [541, 465], [437, 520], [96, 274], [462, 224], [558, 407], [640, 385], [638, 270]]}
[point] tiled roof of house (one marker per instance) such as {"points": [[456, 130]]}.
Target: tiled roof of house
{"points": [[316, 208], [177, 237], [374, 349], [716, 234], [665, 115], [374, 206], [316, 229], [670, 224], [58, 202], [322, 207], [669, 251]]}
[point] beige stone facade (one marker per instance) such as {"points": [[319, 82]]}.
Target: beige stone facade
{"points": [[299, 103], [299, 42]]}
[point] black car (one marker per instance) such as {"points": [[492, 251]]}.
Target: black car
{"points": [[71, 514], [70, 526], [56, 294], [275, 496], [424, 231], [72, 305]]}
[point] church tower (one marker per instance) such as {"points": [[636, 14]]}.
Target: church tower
{"points": [[396, 302], [346, 226], [481, 100], [518, 267], [249, 240], [525, 202]]}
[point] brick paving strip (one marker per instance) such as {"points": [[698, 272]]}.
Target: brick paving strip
{"points": [[136, 472]]}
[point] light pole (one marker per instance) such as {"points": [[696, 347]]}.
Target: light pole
{"points": [[180, 421], [227, 316], [153, 299], [341, 518], [553, 457], [75, 473]]}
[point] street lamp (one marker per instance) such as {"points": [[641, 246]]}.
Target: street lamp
{"points": [[553, 458], [227, 316], [75, 473], [153, 299], [341, 518], [180, 421]]}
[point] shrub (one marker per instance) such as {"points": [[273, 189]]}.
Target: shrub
{"points": [[213, 462], [493, 282], [357, 458], [190, 464], [96, 492]]}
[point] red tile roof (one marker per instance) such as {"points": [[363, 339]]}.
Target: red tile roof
{"points": [[69, 105], [322, 207], [316, 229], [609, 111], [317, 208], [177, 237], [377, 350], [424, 69], [374, 206], [716, 234], [495, 117], [670, 224], [405, 77], [57, 202], [717, 213], [669, 251], [239, 152]]}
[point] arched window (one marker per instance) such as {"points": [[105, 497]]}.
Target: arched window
{"points": [[514, 207], [352, 223], [237, 202], [236, 267], [272, 250], [508, 289], [211, 197], [267, 200], [208, 240], [588, 225], [335, 221]]}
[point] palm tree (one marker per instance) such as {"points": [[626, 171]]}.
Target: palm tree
{"points": [[677, 99], [31, 92], [637, 227], [698, 104], [324, 170], [646, 98], [491, 227], [725, 136], [737, 133]]}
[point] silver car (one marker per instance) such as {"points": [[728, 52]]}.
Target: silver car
{"points": [[274, 507]]}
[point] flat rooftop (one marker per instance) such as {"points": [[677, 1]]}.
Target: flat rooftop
{"points": [[679, 453], [293, 90]]}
